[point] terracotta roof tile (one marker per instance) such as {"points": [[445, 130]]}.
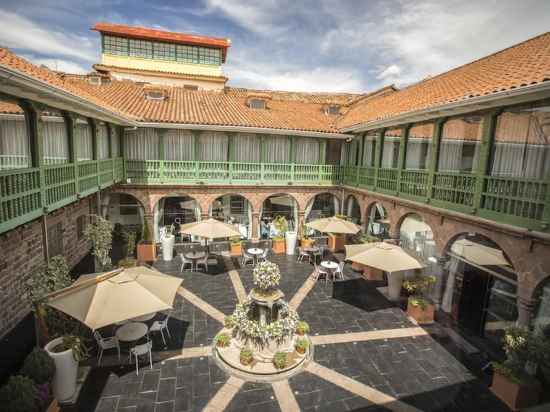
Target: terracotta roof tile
{"points": [[521, 65]]}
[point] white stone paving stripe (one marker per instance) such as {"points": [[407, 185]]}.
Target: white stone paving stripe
{"points": [[370, 335], [201, 304], [360, 389], [225, 394], [285, 397], [195, 352], [298, 298], [237, 285]]}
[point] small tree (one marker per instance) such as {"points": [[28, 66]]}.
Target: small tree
{"points": [[281, 225], [100, 234]]}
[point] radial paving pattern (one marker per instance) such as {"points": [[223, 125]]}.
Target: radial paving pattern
{"points": [[368, 355]]}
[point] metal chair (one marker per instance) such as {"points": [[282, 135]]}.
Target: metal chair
{"points": [[339, 271], [245, 258], [185, 262], [204, 263], [319, 271], [161, 326], [302, 254], [105, 344], [142, 350], [263, 256]]}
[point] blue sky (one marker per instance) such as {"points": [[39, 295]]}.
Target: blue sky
{"points": [[309, 45]]}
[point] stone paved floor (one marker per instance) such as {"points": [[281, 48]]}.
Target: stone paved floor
{"points": [[365, 373]]}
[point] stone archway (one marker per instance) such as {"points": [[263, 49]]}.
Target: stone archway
{"points": [[352, 209], [233, 208]]}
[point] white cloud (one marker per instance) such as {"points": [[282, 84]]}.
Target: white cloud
{"points": [[389, 73], [18, 32], [61, 65]]}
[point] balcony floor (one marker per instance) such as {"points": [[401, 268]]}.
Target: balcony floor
{"points": [[366, 370]]}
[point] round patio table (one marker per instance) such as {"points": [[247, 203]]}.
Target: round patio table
{"points": [[255, 252], [194, 256], [144, 318], [131, 331]]}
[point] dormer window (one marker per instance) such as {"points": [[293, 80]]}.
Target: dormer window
{"points": [[257, 104], [155, 93], [332, 110]]}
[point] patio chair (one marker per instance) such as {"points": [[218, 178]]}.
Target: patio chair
{"points": [[339, 271], [204, 263], [185, 262], [246, 258], [142, 350], [321, 272], [302, 254], [263, 256], [105, 344], [161, 326]]}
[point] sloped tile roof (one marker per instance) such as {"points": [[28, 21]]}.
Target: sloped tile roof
{"points": [[521, 65]]}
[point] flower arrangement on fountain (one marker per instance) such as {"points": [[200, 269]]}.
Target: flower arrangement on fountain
{"points": [[266, 277], [249, 329]]}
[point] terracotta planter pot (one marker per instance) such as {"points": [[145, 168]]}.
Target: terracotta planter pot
{"points": [[336, 242], [306, 242], [516, 395], [422, 316], [146, 252], [279, 246], [236, 249], [300, 351]]}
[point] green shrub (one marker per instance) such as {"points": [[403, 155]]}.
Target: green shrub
{"points": [[280, 360], [229, 321], [301, 345], [100, 234], [246, 356], [222, 340], [235, 240], [19, 394], [302, 328], [38, 366]]}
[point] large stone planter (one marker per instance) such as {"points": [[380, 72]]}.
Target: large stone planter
{"points": [[66, 371], [516, 395], [290, 239], [168, 247], [395, 283]]}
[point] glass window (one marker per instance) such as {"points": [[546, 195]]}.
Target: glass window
{"points": [[56, 139], [419, 147], [164, 51], [115, 45], [102, 141], [141, 48], [333, 150], [187, 54], [141, 144], [213, 147], [390, 150], [179, 145], [541, 320], [247, 148], [521, 147], [306, 150], [115, 141], [256, 104], [277, 149], [369, 150], [14, 138], [83, 140], [460, 142]]}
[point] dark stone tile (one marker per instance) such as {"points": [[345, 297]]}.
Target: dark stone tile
{"points": [[166, 390]]}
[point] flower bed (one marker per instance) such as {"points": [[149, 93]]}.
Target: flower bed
{"points": [[266, 277]]}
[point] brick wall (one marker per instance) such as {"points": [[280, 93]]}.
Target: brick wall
{"points": [[22, 253]]}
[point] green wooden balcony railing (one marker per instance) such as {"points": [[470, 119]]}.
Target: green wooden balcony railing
{"points": [[23, 199]]}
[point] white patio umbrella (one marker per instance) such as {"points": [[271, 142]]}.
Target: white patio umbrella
{"points": [[99, 300], [210, 229], [479, 254], [334, 225], [387, 257]]}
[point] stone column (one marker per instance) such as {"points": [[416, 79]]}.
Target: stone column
{"points": [[148, 219], [441, 274], [301, 220], [255, 225], [526, 309], [205, 216]]}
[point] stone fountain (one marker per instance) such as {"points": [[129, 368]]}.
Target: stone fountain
{"points": [[265, 325]]}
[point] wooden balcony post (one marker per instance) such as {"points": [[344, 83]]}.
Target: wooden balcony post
{"points": [[402, 155], [161, 150], [378, 156], [121, 143], [482, 167], [196, 151], [434, 155], [230, 153], [70, 122]]}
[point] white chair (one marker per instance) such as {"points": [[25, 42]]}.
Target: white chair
{"points": [[105, 344], [185, 262], [321, 272], [339, 271], [263, 256], [302, 254], [161, 326], [142, 350], [204, 263], [245, 258]]}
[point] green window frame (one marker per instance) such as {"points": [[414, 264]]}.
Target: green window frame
{"points": [[164, 51], [115, 45], [141, 48]]}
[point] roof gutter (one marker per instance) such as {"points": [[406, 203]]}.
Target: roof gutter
{"points": [[245, 129], [34, 85], [519, 95]]}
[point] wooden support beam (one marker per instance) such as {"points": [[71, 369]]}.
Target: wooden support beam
{"points": [[401, 161], [378, 155], [482, 167], [434, 157]]}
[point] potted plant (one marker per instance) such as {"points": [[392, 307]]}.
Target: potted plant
{"points": [[222, 340], [301, 346], [280, 360], [302, 328], [236, 246], [39, 367], [419, 307], [19, 394], [66, 352], [167, 242], [246, 356], [100, 235], [513, 380], [281, 226], [146, 248], [229, 322], [305, 240], [129, 250]]}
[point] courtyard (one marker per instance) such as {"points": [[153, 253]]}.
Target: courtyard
{"points": [[368, 355]]}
